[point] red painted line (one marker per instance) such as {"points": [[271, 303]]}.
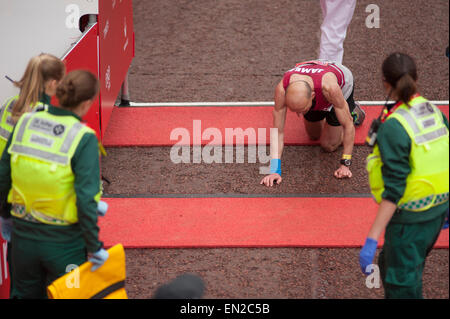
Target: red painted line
{"points": [[152, 126], [240, 222]]}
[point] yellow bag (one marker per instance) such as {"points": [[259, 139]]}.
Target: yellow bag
{"points": [[107, 282]]}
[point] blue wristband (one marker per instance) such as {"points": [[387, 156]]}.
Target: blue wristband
{"points": [[275, 166]]}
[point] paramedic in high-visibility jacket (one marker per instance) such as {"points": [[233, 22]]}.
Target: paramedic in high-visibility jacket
{"points": [[50, 174], [37, 85], [409, 179]]}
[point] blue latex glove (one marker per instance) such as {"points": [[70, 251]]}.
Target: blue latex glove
{"points": [[446, 222], [367, 254], [6, 224], [98, 259], [102, 208]]}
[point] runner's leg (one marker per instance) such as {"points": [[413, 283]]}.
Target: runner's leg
{"points": [[313, 129], [332, 137]]}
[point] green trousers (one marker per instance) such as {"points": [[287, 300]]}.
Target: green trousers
{"points": [[36, 264], [402, 258]]}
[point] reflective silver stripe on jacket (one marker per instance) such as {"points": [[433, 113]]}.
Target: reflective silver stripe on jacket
{"points": [[412, 123], [40, 154], [22, 127], [2, 110], [70, 137], [421, 110], [4, 133], [430, 136], [7, 106]]}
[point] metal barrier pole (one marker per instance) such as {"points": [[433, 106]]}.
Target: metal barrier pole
{"points": [[124, 94]]}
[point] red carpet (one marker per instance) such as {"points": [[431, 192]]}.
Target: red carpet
{"points": [[152, 126], [239, 222]]}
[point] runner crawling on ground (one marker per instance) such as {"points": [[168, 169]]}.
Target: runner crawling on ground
{"points": [[322, 91]]}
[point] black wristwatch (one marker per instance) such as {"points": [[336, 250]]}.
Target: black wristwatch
{"points": [[346, 162]]}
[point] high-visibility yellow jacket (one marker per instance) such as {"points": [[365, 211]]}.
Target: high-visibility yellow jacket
{"points": [[107, 282], [427, 185], [42, 179], [6, 121]]}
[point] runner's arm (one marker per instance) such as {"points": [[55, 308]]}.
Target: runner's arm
{"points": [[333, 94], [279, 119]]}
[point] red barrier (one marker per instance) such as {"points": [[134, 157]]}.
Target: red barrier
{"points": [[116, 50], [4, 275], [106, 50], [84, 56]]}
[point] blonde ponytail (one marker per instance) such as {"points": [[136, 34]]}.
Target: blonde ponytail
{"points": [[31, 85], [39, 70]]}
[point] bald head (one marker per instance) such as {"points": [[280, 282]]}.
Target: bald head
{"points": [[298, 96]]}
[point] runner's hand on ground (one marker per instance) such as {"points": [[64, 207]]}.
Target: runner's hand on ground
{"points": [[269, 180], [343, 172]]}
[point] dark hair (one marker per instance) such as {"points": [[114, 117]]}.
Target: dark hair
{"points": [[400, 71], [76, 87]]}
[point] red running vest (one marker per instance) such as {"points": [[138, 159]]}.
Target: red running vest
{"points": [[315, 70]]}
